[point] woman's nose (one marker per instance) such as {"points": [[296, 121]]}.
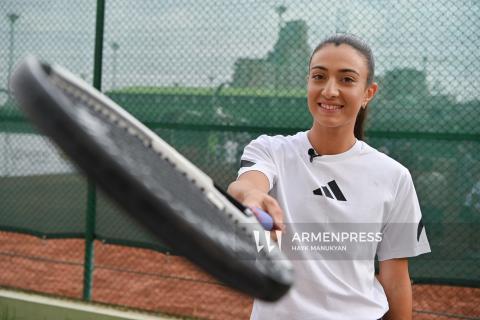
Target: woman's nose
{"points": [[330, 90]]}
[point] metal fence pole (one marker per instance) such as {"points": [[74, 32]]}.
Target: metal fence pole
{"points": [[89, 263], [89, 242]]}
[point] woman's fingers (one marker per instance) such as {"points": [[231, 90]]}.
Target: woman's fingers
{"points": [[273, 208]]}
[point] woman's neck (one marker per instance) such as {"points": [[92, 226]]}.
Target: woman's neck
{"points": [[328, 141]]}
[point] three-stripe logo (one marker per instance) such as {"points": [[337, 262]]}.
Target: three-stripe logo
{"points": [[332, 191]]}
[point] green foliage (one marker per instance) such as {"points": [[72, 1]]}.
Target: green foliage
{"points": [[207, 91]]}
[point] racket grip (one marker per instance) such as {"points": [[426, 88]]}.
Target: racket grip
{"points": [[264, 218]]}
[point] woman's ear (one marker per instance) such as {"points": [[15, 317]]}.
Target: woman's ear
{"points": [[370, 93]]}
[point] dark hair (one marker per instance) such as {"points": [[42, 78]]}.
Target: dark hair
{"points": [[364, 49]]}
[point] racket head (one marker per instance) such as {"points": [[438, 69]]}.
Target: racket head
{"points": [[137, 170]]}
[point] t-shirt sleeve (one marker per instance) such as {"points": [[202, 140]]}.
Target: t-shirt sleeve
{"points": [[257, 156], [404, 234]]}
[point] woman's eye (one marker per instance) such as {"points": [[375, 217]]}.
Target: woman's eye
{"points": [[348, 80], [318, 77]]}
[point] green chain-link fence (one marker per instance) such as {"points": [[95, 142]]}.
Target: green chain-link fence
{"points": [[209, 76]]}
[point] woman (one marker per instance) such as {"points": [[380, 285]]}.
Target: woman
{"points": [[328, 176]]}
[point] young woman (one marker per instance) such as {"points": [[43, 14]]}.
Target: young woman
{"points": [[328, 175]]}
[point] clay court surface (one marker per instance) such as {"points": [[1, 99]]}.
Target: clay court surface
{"points": [[148, 280]]}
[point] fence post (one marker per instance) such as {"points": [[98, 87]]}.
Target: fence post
{"points": [[89, 263], [89, 242]]}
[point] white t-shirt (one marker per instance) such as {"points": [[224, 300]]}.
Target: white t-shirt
{"points": [[360, 188]]}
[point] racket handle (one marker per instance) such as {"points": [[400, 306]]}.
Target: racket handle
{"points": [[264, 218]]}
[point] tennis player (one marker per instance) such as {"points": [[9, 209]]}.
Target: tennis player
{"points": [[329, 175]]}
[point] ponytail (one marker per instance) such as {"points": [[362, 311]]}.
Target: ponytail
{"points": [[358, 131]]}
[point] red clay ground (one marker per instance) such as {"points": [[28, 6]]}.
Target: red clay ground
{"points": [[148, 280]]}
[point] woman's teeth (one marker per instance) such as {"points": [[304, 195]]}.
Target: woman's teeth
{"points": [[330, 106]]}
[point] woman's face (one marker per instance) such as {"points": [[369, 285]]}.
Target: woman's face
{"points": [[337, 86]]}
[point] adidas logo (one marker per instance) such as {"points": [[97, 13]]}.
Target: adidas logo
{"points": [[331, 191]]}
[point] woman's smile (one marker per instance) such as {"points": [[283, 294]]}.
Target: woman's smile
{"points": [[330, 108]]}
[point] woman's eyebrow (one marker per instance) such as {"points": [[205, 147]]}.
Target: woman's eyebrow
{"points": [[319, 67], [349, 70], [346, 70]]}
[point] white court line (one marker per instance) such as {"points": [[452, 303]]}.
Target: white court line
{"points": [[79, 306]]}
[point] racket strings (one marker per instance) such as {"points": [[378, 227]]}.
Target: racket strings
{"points": [[96, 105], [77, 94], [143, 174], [222, 226], [86, 98]]}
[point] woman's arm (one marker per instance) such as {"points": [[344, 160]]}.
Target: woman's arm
{"points": [[396, 283]]}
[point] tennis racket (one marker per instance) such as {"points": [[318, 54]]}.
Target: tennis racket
{"points": [[151, 181]]}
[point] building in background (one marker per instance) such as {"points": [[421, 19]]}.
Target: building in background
{"points": [[284, 67]]}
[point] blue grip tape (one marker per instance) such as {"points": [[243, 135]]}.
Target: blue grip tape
{"points": [[264, 218]]}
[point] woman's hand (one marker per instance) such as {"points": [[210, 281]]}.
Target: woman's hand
{"points": [[251, 189], [259, 199]]}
